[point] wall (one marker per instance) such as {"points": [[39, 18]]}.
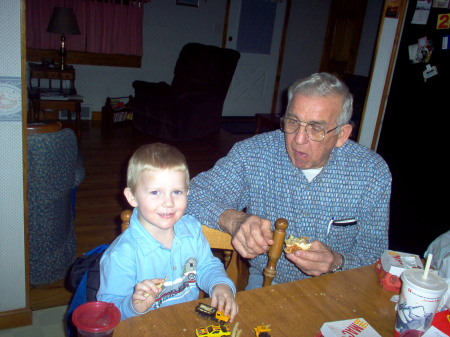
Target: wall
{"points": [[12, 249], [304, 43], [369, 37], [167, 27]]}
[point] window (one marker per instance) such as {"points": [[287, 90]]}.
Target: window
{"points": [[111, 32]]}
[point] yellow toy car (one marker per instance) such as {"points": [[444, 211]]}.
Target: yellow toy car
{"points": [[213, 331], [212, 313]]}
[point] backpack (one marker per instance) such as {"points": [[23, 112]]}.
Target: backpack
{"points": [[84, 281]]}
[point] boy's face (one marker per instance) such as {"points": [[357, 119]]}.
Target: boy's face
{"points": [[161, 199]]}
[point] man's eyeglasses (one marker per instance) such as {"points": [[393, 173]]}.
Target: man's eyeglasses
{"points": [[314, 131]]}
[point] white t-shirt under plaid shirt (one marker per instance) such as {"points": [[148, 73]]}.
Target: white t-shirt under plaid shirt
{"points": [[258, 175]]}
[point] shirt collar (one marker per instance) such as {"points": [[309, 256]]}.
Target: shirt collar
{"points": [[146, 241]]}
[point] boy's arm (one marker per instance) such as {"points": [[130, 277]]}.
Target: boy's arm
{"points": [[117, 275], [210, 270]]}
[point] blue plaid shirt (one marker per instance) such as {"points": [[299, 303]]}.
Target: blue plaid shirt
{"points": [[258, 175]]}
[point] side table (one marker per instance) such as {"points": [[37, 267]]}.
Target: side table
{"points": [[70, 104]]}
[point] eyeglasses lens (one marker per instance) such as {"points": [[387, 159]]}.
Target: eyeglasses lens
{"points": [[314, 132]]}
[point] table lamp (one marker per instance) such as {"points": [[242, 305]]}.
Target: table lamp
{"points": [[63, 21]]}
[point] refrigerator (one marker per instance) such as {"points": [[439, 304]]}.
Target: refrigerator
{"points": [[415, 133]]}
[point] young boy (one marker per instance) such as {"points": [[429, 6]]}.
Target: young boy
{"points": [[163, 257]]}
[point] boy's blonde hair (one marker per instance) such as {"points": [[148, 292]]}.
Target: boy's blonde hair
{"points": [[155, 157]]}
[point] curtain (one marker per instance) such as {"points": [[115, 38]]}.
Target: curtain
{"points": [[106, 28]]}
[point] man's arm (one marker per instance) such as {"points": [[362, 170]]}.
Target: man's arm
{"points": [[252, 235]]}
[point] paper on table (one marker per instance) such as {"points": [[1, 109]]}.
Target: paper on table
{"points": [[351, 327]]}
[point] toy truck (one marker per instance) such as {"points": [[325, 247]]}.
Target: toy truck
{"points": [[213, 331], [262, 331], [212, 313]]}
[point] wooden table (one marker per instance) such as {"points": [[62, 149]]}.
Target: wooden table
{"points": [[293, 309]]}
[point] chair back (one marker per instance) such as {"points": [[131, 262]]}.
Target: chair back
{"points": [[34, 128], [52, 173], [204, 68], [222, 241]]}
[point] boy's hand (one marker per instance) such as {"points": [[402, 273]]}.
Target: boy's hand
{"points": [[222, 298], [145, 294]]}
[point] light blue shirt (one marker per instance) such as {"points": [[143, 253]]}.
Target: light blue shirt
{"points": [[258, 175], [136, 256]]}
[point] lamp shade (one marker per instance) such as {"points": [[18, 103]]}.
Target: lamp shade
{"points": [[63, 21]]}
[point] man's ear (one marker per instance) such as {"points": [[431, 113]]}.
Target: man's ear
{"points": [[130, 197], [344, 134]]}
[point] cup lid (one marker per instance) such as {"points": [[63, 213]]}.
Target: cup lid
{"points": [[96, 316], [433, 282]]}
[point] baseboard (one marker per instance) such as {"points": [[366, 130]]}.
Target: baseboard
{"points": [[16, 318], [96, 115]]}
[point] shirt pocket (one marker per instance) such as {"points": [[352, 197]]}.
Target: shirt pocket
{"points": [[343, 232]]}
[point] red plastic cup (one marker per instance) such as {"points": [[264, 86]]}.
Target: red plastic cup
{"points": [[96, 319]]}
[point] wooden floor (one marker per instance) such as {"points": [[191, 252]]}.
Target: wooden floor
{"points": [[99, 198]]}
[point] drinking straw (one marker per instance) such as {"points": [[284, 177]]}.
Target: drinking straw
{"points": [[427, 266]]}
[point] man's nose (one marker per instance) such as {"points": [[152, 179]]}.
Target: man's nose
{"points": [[301, 137]]}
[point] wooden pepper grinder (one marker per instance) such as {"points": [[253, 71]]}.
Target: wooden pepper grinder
{"points": [[275, 251]]}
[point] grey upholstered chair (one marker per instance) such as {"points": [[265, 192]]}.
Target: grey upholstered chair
{"points": [[55, 170]]}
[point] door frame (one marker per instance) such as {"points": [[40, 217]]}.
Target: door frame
{"points": [[385, 56]]}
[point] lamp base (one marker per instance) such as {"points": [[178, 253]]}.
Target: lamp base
{"points": [[62, 53], [62, 63]]}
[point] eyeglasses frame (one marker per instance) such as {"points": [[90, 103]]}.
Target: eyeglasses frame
{"points": [[305, 124]]}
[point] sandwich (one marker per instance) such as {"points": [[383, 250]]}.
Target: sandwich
{"points": [[293, 244]]}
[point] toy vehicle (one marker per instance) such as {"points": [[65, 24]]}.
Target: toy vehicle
{"points": [[210, 312], [262, 331], [213, 331]]}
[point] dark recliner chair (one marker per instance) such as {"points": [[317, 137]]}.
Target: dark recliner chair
{"points": [[191, 107]]}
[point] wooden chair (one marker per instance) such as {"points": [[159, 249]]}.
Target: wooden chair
{"points": [[34, 128], [222, 241]]}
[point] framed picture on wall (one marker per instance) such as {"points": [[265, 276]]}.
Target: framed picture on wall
{"points": [[194, 3]]}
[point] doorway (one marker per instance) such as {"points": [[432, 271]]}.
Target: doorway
{"points": [[253, 84], [343, 35]]}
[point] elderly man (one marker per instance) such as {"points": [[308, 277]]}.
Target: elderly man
{"points": [[328, 187]]}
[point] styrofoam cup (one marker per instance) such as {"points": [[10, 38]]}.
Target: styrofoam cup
{"points": [[419, 300]]}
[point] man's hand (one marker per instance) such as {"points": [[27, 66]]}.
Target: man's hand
{"points": [[252, 235], [319, 259]]}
